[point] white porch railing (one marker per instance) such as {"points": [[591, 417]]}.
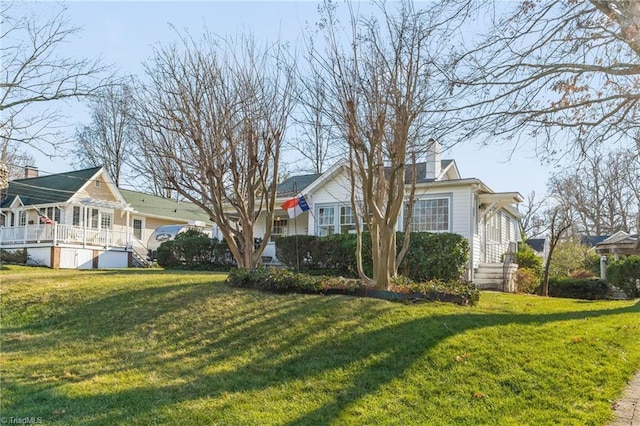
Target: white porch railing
{"points": [[66, 234]]}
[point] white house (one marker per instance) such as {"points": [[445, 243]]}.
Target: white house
{"points": [[93, 224], [446, 202]]}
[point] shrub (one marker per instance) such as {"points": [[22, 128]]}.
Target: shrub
{"points": [[625, 274], [190, 248], [166, 255], [441, 256], [589, 289], [435, 289], [285, 281], [526, 258], [19, 257], [431, 256], [571, 256], [526, 280]]}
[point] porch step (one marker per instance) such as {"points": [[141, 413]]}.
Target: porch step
{"points": [[490, 276], [616, 294]]}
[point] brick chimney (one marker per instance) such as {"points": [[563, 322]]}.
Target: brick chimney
{"points": [[30, 172], [433, 159]]}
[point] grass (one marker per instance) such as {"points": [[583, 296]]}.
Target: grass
{"points": [[147, 347]]}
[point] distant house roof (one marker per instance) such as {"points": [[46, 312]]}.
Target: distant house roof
{"points": [[56, 188], [164, 207], [536, 243], [592, 240]]}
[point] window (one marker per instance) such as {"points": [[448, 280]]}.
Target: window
{"points": [[137, 228], [508, 223], [279, 229], [495, 227], [326, 221], [53, 213], [22, 218], [347, 220], [94, 218], [430, 215], [76, 216], [97, 184], [106, 220]]}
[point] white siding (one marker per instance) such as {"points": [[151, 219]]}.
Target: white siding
{"points": [[113, 259]]}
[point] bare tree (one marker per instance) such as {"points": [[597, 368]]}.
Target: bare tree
{"points": [[14, 158], [316, 142], [35, 79], [212, 119], [108, 139], [559, 223], [532, 220], [601, 193], [381, 78], [562, 75]]}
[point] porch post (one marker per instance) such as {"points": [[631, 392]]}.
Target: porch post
{"points": [[55, 233], [129, 229], [84, 226]]}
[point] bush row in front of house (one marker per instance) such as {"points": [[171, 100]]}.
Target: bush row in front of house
{"points": [[577, 288], [287, 281], [441, 256]]}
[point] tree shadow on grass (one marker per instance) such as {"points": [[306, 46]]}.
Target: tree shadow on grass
{"points": [[291, 336]]}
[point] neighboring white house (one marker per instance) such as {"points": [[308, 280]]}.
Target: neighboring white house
{"points": [[446, 202], [94, 224]]}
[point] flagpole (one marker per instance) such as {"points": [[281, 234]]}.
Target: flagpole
{"points": [[295, 227]]}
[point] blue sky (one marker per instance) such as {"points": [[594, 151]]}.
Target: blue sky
{"points": [[124, 33]]}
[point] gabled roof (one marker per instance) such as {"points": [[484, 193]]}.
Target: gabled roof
{"points": [[301, 182], [592, 240], [56, 188], [296, 184], [152, 205]]}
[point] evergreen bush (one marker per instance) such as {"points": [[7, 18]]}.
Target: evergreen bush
{"points": [[625, 274]]}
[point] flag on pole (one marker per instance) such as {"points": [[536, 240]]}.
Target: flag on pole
{"points": [[295, 206], [43, 217]]}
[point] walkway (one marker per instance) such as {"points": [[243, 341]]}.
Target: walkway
{"points": [[627, 409]]}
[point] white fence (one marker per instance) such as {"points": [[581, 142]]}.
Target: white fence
{"points": [[66, 234]]}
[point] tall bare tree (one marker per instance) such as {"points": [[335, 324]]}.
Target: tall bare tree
{"points": [[562, 75], [35, 79], [15, 159], [559, 222], [212, 118], [107, 140], [532, 220], [316, 141], [600, 193], [381, 75]]}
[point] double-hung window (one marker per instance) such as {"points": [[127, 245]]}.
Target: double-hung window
{"points": [[326, 221], [347, 220]]}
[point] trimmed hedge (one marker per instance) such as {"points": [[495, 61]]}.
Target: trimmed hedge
{"points": [[576, 288], [431, 256], [287, 281], [625, 274]]}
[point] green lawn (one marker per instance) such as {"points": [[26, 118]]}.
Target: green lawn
{"points": [[153, 347]]}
